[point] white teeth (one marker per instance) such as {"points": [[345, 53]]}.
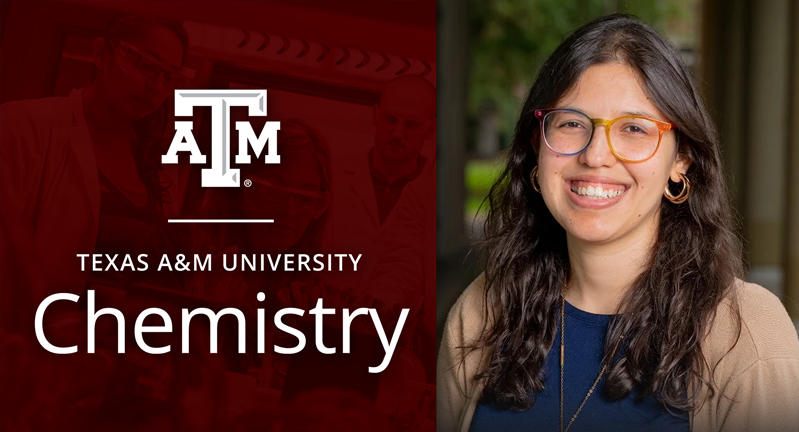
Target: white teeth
{"points": [[596, 192]]}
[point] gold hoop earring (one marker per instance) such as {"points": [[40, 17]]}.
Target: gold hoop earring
{"points": [[533, 177], [683, 195]]}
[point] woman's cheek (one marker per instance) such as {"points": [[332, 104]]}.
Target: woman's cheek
{"points": [[302, 224], [163, 96], [548, 178]]}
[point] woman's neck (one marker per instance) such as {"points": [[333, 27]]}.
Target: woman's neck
{"points": [[601, 274], [101, 118]]}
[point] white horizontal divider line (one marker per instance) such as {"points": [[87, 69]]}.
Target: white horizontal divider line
{"points": [[221, 220]]}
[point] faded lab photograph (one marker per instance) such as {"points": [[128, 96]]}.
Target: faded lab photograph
{"points": [[90, 94]]}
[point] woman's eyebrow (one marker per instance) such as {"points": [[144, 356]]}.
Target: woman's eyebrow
{"points": [[639, 113], [622, 114], [571, 108]]}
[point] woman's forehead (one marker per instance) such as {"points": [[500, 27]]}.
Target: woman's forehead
{"points": [[610, 90]]}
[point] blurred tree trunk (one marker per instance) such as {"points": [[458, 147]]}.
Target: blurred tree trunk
{"points": [[487, 139]]}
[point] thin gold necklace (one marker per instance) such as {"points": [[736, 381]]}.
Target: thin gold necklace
{"points": [[562, 357]]}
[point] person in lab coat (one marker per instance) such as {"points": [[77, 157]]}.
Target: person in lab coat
{"points": [[369, 184], [81, 174], [404, 274]]}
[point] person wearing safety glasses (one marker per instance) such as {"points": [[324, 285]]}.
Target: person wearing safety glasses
{"points": [[82, 174], [370, 183], [295, 194]]}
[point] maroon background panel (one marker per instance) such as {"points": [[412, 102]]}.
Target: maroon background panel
{"points": [[88, 110]]}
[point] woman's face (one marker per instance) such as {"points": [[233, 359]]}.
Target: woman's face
{"points": [[127, 90], [291, 212], [608, 91]]}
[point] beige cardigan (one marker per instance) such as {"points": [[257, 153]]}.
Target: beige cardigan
{"points": [[757, 383]]}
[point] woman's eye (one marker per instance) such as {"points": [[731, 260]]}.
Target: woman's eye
{"points": [[571, 124], [635, 129]]}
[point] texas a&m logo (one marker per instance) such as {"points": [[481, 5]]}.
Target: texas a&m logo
{"points": [[221, 174]]}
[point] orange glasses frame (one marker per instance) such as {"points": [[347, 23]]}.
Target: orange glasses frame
{"points": [[541, 114]]}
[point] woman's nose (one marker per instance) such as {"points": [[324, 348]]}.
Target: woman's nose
{"points": [[598, 152]]}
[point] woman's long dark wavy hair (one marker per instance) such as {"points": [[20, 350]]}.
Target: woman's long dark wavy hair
{"points": [[148, 145], [691, 269]]}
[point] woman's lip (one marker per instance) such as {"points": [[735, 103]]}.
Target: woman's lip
{"points": [[597, 179], [590, 203]]}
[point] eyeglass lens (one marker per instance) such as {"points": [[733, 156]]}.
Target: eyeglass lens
{"points": [[632, 138]]}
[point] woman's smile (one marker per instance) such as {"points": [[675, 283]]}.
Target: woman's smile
{"points": [[593, 192]]}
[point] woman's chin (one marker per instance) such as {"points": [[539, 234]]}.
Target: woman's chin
{"points": [[592, 234]]}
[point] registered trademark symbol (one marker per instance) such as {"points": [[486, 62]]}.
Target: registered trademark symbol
{"points": [[248, 182]]}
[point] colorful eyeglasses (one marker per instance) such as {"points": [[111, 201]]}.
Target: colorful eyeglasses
{"points": [[310, 200], [148, 65], [631, 138], [411, 125]]}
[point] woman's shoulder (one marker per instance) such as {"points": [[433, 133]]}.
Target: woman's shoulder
{"points": [[459, 358], [471, 302], [36, 110], [33, 128], [751, 325], [30, 126], [468, 317]]}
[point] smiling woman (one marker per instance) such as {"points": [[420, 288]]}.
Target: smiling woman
{"points": [[612, 297]]}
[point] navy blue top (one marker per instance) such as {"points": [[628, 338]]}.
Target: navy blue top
{"points": [[585, 334]]}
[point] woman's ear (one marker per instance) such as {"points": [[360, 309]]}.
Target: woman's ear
{"points": [[681, 165], [100, 52]]}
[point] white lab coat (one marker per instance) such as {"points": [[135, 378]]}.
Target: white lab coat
{"points": [[49, 187], [354, 218], [405, 271], [398, 263]]}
